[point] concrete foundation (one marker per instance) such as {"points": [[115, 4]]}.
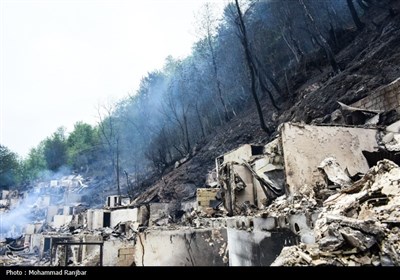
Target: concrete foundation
{"points": [[184, 247], [257, 248]]}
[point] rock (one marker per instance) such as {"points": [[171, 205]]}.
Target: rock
{"points": [[330, 243], [364, 260], [357, 239], [367, 226], [352, 222]]}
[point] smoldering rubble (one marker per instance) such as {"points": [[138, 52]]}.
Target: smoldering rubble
{"points": [[359, 225], [316, 194]]}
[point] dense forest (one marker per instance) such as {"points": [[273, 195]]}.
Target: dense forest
{"points": [[248, 55]]}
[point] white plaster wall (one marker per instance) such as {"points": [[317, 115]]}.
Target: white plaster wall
{"points": [[61, 220], [123, 215], [184, 247], [97, 218], [305, 146], [239, 154], [110, 252], [51, 212]]}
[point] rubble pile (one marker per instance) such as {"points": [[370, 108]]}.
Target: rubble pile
{"points": [[284, 206], [359, 225]]}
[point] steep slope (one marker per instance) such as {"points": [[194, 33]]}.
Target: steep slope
{"points": [[371, 60]]}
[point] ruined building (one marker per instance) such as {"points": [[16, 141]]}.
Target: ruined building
{"points": [[317, 194]]}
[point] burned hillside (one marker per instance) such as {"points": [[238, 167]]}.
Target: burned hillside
{"points": [[185, 174], [371, 60]]}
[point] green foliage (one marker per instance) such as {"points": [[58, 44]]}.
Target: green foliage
{"points": [[55, 150], [9, 167], [32, 166], [81, 145]]}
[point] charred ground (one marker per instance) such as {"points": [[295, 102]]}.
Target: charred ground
{"points": [[368, 59]]}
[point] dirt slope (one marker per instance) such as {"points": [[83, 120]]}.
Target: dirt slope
{"points": [[371, 60]]}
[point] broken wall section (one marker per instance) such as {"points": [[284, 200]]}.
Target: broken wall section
{"points": [[182, 247], [251, 176], [384, 98], [306, 146]]}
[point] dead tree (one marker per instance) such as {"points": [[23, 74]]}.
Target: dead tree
{"points": [[251, 66], [320, 39], [208, 26], [360, 25], [109, 132], [286, 22], [255, 73]]}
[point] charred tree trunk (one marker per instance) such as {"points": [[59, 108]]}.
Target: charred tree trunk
{"points": [[251, 66], [292, 50], [203, 134], [117, 169], [186, 135], [271, 79], [360, 25], [320, 39], [215, 69]]}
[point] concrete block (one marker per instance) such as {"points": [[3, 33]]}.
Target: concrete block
{"points": [[126, 251]]}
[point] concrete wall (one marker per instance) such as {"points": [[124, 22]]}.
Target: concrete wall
{"points": [[110, 252], [257, 248], [159, 211], [32, 228], [90, 250], [239, 154], [123, 215], [305, 146], [204, 196], [384, 98], [68, 210], [94, 218], [61, 220], [29, 229], [183, 247], [247, 194], [33, 241], [36, 242], [126, 256], [4, 194], [51, 212], [113, 200]]}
